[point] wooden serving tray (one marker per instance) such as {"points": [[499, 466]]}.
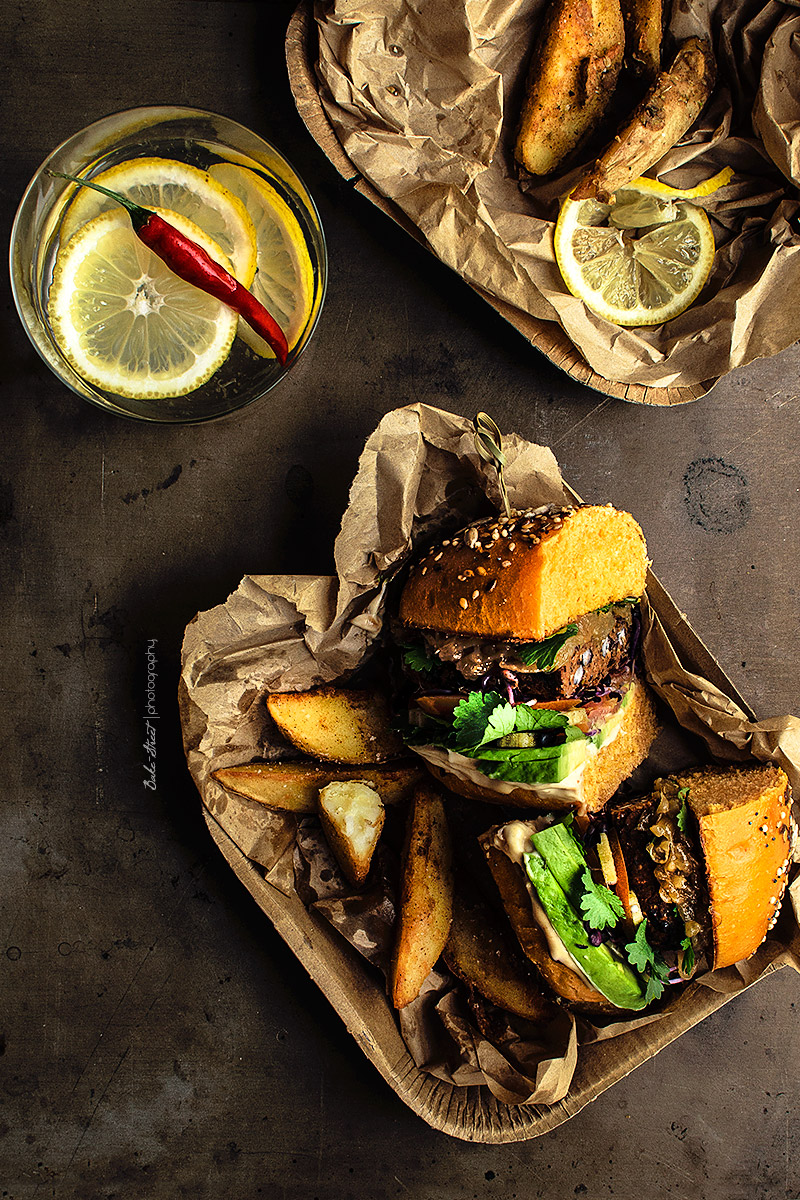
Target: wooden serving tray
{"points": [[358, 995], [470, 1113], [546, 336]]}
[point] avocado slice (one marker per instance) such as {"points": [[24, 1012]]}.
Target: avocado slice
{"points": [[611, 976], [613, 723], [565, 858], [548, 764]]}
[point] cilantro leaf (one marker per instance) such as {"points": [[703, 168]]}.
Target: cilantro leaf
{"points": [[485, 717], [640, 953], [651, 965], [529, 717], [502, 720], [683, 811], [544, 654], [416, 658], [471, 719], [600, 906], [653, 989], [686, 963]]}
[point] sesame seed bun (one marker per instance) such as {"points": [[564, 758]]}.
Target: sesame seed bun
{"points": [[746, 832], [528, 575]]}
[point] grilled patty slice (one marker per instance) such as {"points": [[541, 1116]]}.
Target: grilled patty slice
{"points": [[577, 661]]}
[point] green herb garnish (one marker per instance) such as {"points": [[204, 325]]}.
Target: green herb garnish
{"points": [[416, 658], [686, 962], [647, 962], [544, 654], [601, 907], [683, 812], [486, 717], [471, 718]]}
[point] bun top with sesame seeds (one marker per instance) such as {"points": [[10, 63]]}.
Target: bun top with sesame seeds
{"points": [[527, 575]]}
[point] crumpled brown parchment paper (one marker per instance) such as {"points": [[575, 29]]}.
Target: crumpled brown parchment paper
{"points": [[425, 98], [418, 475]]}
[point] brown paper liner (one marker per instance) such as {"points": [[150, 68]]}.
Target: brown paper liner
{"points": [[418, 475]]}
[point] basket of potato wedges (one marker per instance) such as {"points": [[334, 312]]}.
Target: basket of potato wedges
{"points": [[617, 180]]}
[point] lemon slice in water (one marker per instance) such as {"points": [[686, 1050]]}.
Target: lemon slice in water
{"points": [[166, 183], [642, 260], [125, 322], [284, 281]]}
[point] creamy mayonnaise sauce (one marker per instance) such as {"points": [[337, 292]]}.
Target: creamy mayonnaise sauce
{"points": [[514, 839]]}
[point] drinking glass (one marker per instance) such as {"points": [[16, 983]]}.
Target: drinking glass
{"points": [[200, 139]]}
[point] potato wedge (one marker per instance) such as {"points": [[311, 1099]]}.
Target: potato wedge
{"points": [[337, 725], [571, 78], [481, 952], [643, 30], [671, 106], [426, 897], [352, 815], [295, 786]]}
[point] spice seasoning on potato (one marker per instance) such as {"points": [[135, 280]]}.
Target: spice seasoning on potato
{"points": [[670, 107], [426, 897], [643, 29], [336, 724], [571, 78], [294, 786]]}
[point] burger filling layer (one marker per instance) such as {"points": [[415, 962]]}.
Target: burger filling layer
{"points": [[573, 661], [582, 916], [580, 913], [657, 843], [524, 742]]}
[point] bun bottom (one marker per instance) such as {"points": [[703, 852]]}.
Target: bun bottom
{"points": [[602, 775], [568, 986]]}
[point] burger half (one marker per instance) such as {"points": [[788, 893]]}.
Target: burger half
{"points": [[686, 878], [519, 639]]}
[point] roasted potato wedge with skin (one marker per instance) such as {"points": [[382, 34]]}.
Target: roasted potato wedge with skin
{"points": [[671, 106], [337, 725], [571, 78], [352, 816], [426, 897], [643, 31], [482, 953], [295, 786]]}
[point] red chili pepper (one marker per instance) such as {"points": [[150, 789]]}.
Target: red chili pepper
{"points": [[191, 263]]}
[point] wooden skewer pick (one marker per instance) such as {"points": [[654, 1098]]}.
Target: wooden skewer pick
{"points": [[489, 444]]}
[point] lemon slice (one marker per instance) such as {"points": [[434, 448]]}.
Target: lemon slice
{"points": [[166, 183], [125, 322], [284, 281], [641, 261]]}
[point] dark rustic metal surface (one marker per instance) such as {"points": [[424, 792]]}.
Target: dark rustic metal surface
{"points": [[156, 1037]]}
